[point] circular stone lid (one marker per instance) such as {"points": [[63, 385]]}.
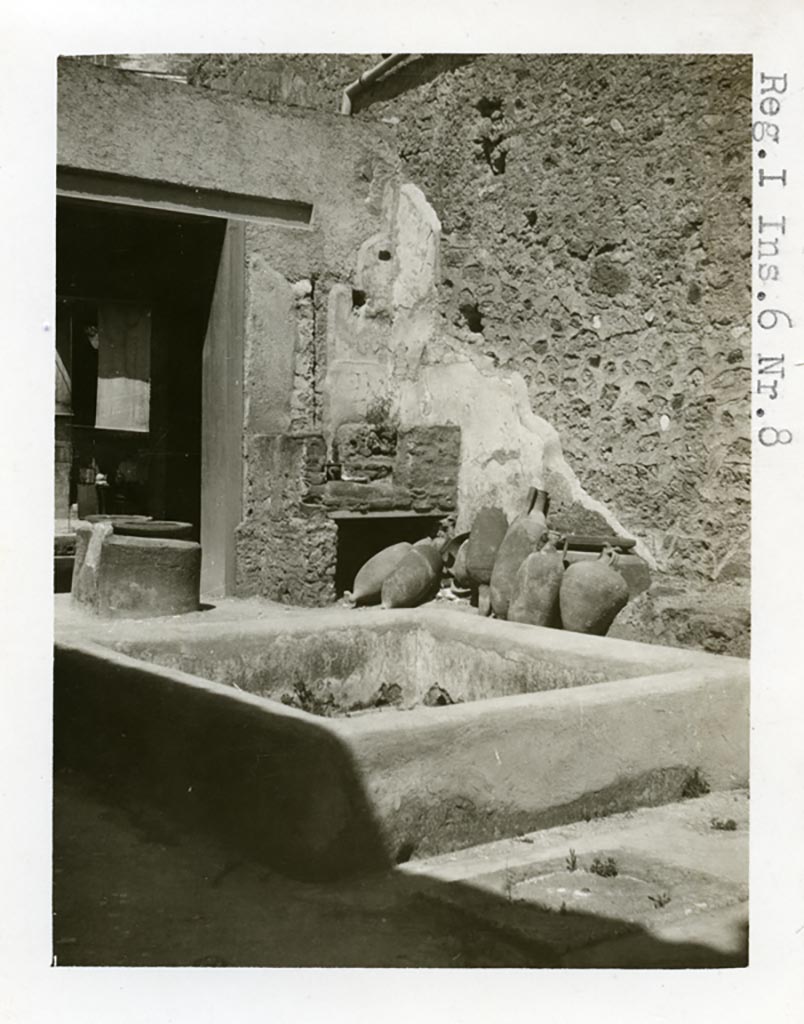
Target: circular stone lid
{"points": [[165, 529], [115, 519]]}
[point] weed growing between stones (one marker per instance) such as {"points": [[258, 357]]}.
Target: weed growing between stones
{"points": [[304, 699], [605, 868], [695, 786]]}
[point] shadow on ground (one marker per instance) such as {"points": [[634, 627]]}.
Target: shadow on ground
{"points": [[190, 829], [133, 888]]}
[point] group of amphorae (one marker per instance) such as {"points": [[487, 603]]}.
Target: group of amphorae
{"points": [[515, 571]]}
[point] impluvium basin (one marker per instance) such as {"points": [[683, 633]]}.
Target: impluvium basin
{"points": [[344, 741]]}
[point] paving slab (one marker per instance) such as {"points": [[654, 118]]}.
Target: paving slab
{"points": [[658, 887]]}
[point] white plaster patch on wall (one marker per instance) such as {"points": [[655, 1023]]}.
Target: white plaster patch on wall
{"points": [[418, 231], [271, 343], [412, 335], [339, 305], [505, 447], [377, 270], [432, 379], [359, 368]]}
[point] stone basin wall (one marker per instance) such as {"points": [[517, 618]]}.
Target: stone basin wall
{"points": [[372, 660], [318, 797]]}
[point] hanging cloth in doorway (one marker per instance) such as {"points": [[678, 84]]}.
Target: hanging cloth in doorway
{"points": [[124, 367]]}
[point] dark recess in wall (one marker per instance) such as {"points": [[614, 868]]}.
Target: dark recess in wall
{"points": [[359, 539]]}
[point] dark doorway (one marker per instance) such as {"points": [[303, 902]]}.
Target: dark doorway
{"points": [[134, 290]]}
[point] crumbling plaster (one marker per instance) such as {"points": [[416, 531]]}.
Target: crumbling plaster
{"points": [[350, 316], [596, 240], [596, 214], [120, 123], [111, 122], [394, 352]]}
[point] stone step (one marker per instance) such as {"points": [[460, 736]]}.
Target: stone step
{"points": [[658, 887]]}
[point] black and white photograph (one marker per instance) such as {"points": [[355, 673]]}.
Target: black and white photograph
{"points": [[407, 417]]}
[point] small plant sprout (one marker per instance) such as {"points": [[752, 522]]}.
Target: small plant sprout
{"points": [[563, 908], [660, 900], [695, 786], [508, 885], [605, 868], [724, 824], [571, 861]]}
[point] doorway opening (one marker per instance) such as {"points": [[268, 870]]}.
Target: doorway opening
{"points": [[135, 288]]}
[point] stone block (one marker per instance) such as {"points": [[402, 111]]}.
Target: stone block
{"points": [[134, 577], [427, 464], [355, 442]]}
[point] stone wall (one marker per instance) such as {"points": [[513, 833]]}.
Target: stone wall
{"points": [[595, 245], [137, 127], [393, 362], [286, 546], [558, 268]]}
